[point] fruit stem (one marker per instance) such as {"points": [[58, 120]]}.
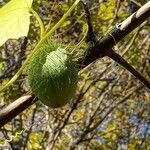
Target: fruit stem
{"points": [[59, 23]]}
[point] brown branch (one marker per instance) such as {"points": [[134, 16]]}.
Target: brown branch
{"points": [[90, 36], [15, 108], [126, 65], [100, 49], [104, 47]]}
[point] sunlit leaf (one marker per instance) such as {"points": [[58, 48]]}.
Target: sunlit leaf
{"points": [[14, 20]]}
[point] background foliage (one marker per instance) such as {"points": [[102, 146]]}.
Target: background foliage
{"points": [[110, 109]]}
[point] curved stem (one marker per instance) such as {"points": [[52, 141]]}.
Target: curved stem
{"points": [[39, 21], [84, 32]]}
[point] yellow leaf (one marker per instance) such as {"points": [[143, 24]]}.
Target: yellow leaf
{"points": [[14, 20]]}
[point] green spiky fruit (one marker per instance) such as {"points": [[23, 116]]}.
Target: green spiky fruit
{"points": [[52, 75]]}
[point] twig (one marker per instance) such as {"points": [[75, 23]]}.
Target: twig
{"points": [[126, 65], [15, 108]]}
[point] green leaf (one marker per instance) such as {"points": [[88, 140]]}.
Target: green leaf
{"points": [[14, 20]]}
